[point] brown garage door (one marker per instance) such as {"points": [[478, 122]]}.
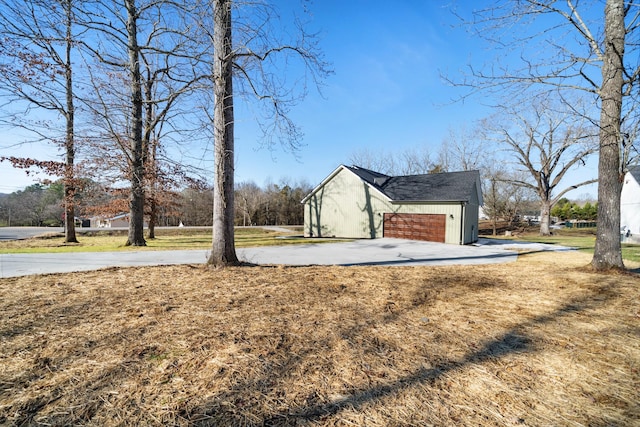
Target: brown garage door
{"points": [[415, 226]]}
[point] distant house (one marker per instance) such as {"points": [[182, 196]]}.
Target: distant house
{"points": [[630, 206], [353, 202], [117, 221]]}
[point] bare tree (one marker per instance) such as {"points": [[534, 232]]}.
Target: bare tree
{"points": [[37, 42], [409, 161], [249, 195], [547, 143], [136, 150], [197, 206], [596, 62], [223, 251], [464, 150], [259, 60], [113, 56], [145, 62], [608, 250], [504, 198], [416, 161], [378, 160]]}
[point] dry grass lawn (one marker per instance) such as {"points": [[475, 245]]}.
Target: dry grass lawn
{"points": [[540, 342]]}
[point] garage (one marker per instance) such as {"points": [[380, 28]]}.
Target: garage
{"points": [[358, 203], [428, 227]]}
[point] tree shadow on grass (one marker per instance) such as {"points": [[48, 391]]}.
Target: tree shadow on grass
{"points": [[274, 367], [514, 341]]}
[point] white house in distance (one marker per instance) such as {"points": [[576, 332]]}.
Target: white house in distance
{"points": [[630, 206], [354, 202], [118, 221]]}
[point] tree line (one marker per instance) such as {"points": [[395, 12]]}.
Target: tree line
{"points": [[36, 205], [43, 205], [567, 210]]}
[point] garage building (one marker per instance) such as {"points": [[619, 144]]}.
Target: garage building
{"points": [[354, 202]]}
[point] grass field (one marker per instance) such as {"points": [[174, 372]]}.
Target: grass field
{"points": [[582, 239], [166, 239], [543, 341]]}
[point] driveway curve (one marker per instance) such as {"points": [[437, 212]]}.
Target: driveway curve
{"points": [[377, 252]]}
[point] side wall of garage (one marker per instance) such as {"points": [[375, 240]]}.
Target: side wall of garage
{"points": [[471, 215], [345, 206]]}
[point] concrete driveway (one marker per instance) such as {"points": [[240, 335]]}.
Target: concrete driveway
{"points": [[378, 252], [384, 251]]}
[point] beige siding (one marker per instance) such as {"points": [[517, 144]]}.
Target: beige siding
{"points": [[471, 213], [344, 207], [348, 207]]}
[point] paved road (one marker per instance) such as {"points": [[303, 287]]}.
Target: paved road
{"points": [[378, 252], [20, 233]]}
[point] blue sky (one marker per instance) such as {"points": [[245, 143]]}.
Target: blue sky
{"points": [[386, 92]]}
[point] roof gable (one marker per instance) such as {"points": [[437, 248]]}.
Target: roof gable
{"points": [[372, 177], [634, 171]]}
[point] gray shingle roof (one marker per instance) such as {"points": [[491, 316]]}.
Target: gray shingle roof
{"points": [[437, 187], [635, 172]]}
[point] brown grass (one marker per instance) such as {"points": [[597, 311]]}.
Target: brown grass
{"points": [[543, 341]]}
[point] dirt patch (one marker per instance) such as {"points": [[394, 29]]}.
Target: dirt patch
{"points": [[539, 342]]}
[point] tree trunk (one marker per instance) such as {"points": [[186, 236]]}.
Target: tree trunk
{"points": [[545, 217], [136, 199], [69, 175], [608, 251], [223, 251], [152, 177], [153, 217]]}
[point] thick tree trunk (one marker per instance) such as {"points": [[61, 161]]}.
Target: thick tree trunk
{"points": [[608, 251], [69, 175], [545, 217], [136, 200], [69, 193], [136, 213], [223, 251]]}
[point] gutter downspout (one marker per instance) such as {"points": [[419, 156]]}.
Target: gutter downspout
{"points": [[462, 222]]}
